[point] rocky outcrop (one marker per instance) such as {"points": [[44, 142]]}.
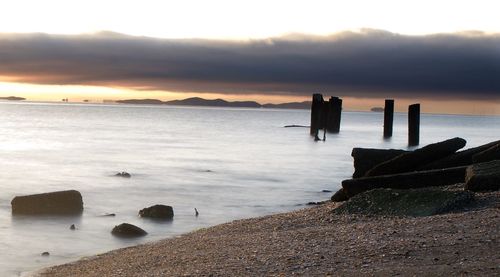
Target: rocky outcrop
{"points": [[411, 180], [366, 158], [126, 230], [158, 212], [483, 176], [490, 154], [410, 202], [60, 202], [410, 161], [339, 196], [462, 158]]}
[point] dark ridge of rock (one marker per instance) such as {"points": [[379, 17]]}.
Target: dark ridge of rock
{"points": [[461, 158], [410, 161], [411, 180], [295, 126], [483, 176], [158, 212], [366, 158], [68, 202], [126, 230], [410, 202], [339, 196], [490, 154]]}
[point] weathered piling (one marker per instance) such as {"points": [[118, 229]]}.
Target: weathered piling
{"points": [[334, 116], [413, 124], [316, 108], [388, 117]]}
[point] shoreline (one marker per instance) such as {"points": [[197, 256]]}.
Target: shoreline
{"points": [[314, 241]]}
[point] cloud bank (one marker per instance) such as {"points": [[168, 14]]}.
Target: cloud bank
{"points": [[369, 63]]}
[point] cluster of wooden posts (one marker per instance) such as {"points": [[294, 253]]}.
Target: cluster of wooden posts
{"points": [[326, 115]]}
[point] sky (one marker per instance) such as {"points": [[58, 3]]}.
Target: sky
{"points": [[444, 54]]}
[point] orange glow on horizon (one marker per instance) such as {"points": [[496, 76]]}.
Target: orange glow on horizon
{"points": [[96, 94]]}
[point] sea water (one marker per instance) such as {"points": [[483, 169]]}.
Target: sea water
{"points": [[227, 163]]}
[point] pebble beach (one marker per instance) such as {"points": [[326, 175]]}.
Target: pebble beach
{"points": [[316, 242]]}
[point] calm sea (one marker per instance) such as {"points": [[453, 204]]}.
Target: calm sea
{"points": [[228, 163]]}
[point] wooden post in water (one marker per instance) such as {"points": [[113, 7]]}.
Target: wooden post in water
{"points": [[333, 122], [388, 117], [316, 108], [413, 124]]}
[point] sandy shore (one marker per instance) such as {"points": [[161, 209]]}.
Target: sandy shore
{"points": [[314, 242]]}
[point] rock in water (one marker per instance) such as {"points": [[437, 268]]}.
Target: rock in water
{"points": [[158, 212], [45, 254], [411, 202], [483, 176], [366, 158], [410, 161], [123, 174], [126, 230], [58, 203]]}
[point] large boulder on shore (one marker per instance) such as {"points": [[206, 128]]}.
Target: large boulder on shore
{"points": [[68, 202], [411, 161], [490, 154], [465, 157], [409, 180], [366, 158], [127, 230], [483, 176], [158, 212], [411, 202]]}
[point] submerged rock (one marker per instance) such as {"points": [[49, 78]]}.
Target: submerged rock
{"points": [[127, 230], [411, 202], [72, 227], [483, 176], [59, 202], [158, 212], [45, 254]]}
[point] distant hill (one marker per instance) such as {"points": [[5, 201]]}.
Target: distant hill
{"points": [[292, 105], [13, 98], [141, 101], [197, 101]]}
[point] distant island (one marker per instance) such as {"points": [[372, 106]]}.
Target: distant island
{"points": [[377, 109], [197, 101], [12, 98]]}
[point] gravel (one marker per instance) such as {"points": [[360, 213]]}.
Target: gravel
{"points": [[316, 242]]}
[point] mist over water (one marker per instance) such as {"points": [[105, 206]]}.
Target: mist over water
{"points": [[228, 163]]}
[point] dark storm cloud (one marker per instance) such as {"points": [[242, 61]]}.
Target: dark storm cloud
{"points": [[369, 63]]}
